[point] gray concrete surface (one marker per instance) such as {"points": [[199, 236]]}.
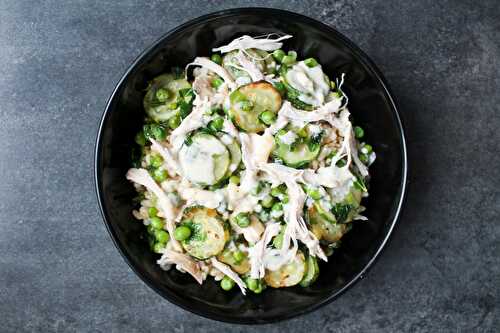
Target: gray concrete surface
{"points": [[59, 271]]}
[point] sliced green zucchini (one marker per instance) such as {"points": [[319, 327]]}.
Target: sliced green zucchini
{"points": [[297, 157], [322, 227], [163, 110], [260, 58], [235, 151], [287, 275], [349, 207], [249, 101], [205, 161], [240, 267], [312, 271], [208, 235]]}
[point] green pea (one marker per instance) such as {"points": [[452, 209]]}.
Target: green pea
{"points": [[288, 60], [162, 95], [216, 58], [278, 191], [267, 117], [150, 229], [216, 124], [158, 132], [313, 193], [140, 139], [156, 160], [152, 211], [368, 148], [303, 132], [363, 158], [246, 105], [234, 180], [182, 233], [278, 55], [226, 283], [267, 201], [160, 175], [292, 54], [285, 199], [277, 207], [238, 256], [162, 236], [174, 122], [243, 220], [252, 284], [217, 82], [278, 241], [358, 132], [158, 247], [311, 62], [157, 223], [172, 106]]}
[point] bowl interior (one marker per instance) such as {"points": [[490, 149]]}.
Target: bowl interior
{"points": [[371, 107]]}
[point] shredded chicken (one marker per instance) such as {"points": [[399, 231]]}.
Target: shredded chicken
{"points": [[230, 274], [192, 122], [141, 176], [183, 261], [256, 253], [219, 70], [249, 67], [247, 42], [171, 164]]}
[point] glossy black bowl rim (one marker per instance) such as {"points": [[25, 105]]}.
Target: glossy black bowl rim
{"points": [[404, 176]]}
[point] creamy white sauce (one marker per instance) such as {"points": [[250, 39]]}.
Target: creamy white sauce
{"points": [[310, 81], [197, 160], [288, 138]]}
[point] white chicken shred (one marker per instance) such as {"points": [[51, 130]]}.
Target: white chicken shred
{"points": [[247, 42]]}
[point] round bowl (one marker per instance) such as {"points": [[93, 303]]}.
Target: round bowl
{"points": [[372, 108]]}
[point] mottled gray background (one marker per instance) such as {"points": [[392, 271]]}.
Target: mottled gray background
{"points": [[59, 270]]}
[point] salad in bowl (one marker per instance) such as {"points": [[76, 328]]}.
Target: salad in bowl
{"points": [[248, 168]]}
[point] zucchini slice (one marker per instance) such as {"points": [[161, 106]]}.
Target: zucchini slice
{"points": [[264, 62], [208, 235], [287, 275], [321, 225], [240, 267], [298, 157], [205, 161], [161, 111], [249, 101], [235, 152], [312, 271]]}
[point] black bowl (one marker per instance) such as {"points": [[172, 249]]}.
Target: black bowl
{"points": [[371, 105]]}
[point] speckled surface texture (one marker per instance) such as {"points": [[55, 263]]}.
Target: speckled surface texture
{"points": [[59, 271]]}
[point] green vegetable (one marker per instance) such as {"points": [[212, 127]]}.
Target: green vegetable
{"points": [[172, 106], [358, 132], [311, 62], [152, 211], [182, 233], [237, 260], [140, 139], [280, 87], [278, 55], [303, 132], [287, 275], [156, 222], [255, 285], [162, 95], [279, 191], [278, 239], [216, 58], [368, 148], [234, 180], [239, 256], [154, 131], [341, 212], [277, 207], [243, 220], [267, 201], [363, 158], [312, 272], [288, 60], [267, 117], [217, 82], [158, 247], [300, 156], [160, 175], [341, 163], [216, 124], [156, 160], [174, 122], [360, 184], [163, 91], [313, 193], [249, 101], [226, 283], [161, 236], [207, 233]]}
